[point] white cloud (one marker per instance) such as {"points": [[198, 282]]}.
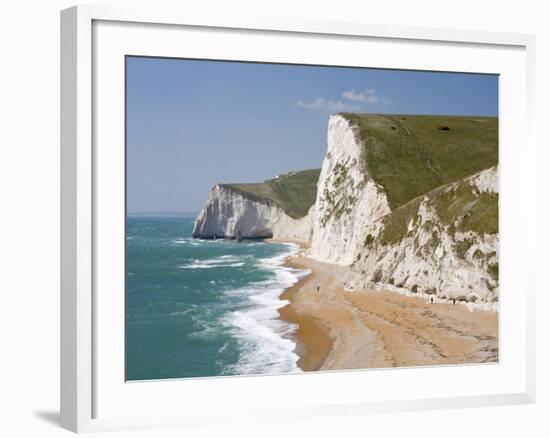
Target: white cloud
{"points": [[321, 103], [367, 96]]}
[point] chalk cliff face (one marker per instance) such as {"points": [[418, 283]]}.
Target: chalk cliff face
{"points": [[443, 242], [348, 200], [229, 213], [433, 254]]}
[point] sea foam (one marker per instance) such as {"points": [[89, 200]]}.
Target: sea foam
{"points": [[226, 261], [265, 339]]}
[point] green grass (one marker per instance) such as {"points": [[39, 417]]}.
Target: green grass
{"points": [[397, 222], [411, 155], [461, 247], [493, 271], [294, 192], [477, 212], [369, 240], [457, 202]]}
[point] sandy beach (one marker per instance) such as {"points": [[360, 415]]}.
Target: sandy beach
{"points": [[339, 329]]}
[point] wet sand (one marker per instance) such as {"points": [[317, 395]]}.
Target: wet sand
{"points": [[338, 329]]}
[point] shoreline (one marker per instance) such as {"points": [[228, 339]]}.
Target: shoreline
{"points": [[340, 329], [303, 245], [312, 337]]}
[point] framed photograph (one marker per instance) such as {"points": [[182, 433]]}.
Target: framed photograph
{"points": [[281, 216]]}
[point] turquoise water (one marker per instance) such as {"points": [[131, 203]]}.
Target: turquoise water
{"points": [[197, 308]]}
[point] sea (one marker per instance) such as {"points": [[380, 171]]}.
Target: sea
{"points": [[203, 308]]}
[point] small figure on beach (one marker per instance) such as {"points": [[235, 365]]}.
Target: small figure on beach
{"points": [[432, 300], [454, 301], [318, 288]]}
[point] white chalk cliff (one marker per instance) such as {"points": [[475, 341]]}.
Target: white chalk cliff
{"points": [[351, 220], [434, 257], [348, 200], [229, 213]]}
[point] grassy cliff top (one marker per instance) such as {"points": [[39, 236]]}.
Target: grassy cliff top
{"points": [[412, 155], [294, 192], [459, 205]]}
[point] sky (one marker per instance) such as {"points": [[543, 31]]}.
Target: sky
{"points": [[192, 124]]}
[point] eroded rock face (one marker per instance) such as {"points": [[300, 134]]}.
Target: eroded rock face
{"points": [[347, 222], [485, 181], [228, 214], [434, 257], [347, 199]]}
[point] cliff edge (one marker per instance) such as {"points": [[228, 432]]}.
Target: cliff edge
{"points": [[277, 208], [406, 202]]}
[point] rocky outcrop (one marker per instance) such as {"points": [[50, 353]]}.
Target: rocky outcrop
{"points": [[443, 243], [436, 253], [228, 213], [348, 200]]}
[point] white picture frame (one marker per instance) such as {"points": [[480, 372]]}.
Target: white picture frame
{"points": [[84, 381]]}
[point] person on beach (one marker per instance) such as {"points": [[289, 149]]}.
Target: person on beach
{"points": [[318, 288], [432, 300], [454, 301]]}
